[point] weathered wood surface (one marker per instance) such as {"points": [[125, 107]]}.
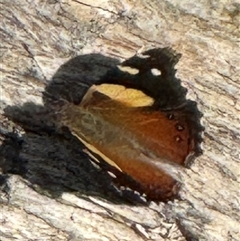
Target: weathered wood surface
{"points": [[49, 189]]}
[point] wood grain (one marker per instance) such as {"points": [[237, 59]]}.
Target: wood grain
{"points": [[53, 50]]}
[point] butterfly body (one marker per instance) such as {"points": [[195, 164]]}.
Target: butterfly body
{"points": [[132, 132]]}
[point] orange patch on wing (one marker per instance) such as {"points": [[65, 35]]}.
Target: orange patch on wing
{"points": [[137, 140]]}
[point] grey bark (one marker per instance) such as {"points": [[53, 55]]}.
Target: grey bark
{"points": [[49, 188]]}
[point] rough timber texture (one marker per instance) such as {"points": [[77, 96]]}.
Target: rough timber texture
{"points": [[49, 189]]}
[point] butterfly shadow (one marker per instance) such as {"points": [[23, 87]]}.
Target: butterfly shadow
{"points": [[47, 155]]}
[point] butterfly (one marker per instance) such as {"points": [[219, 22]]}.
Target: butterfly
{"points": [[138, 120]]}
